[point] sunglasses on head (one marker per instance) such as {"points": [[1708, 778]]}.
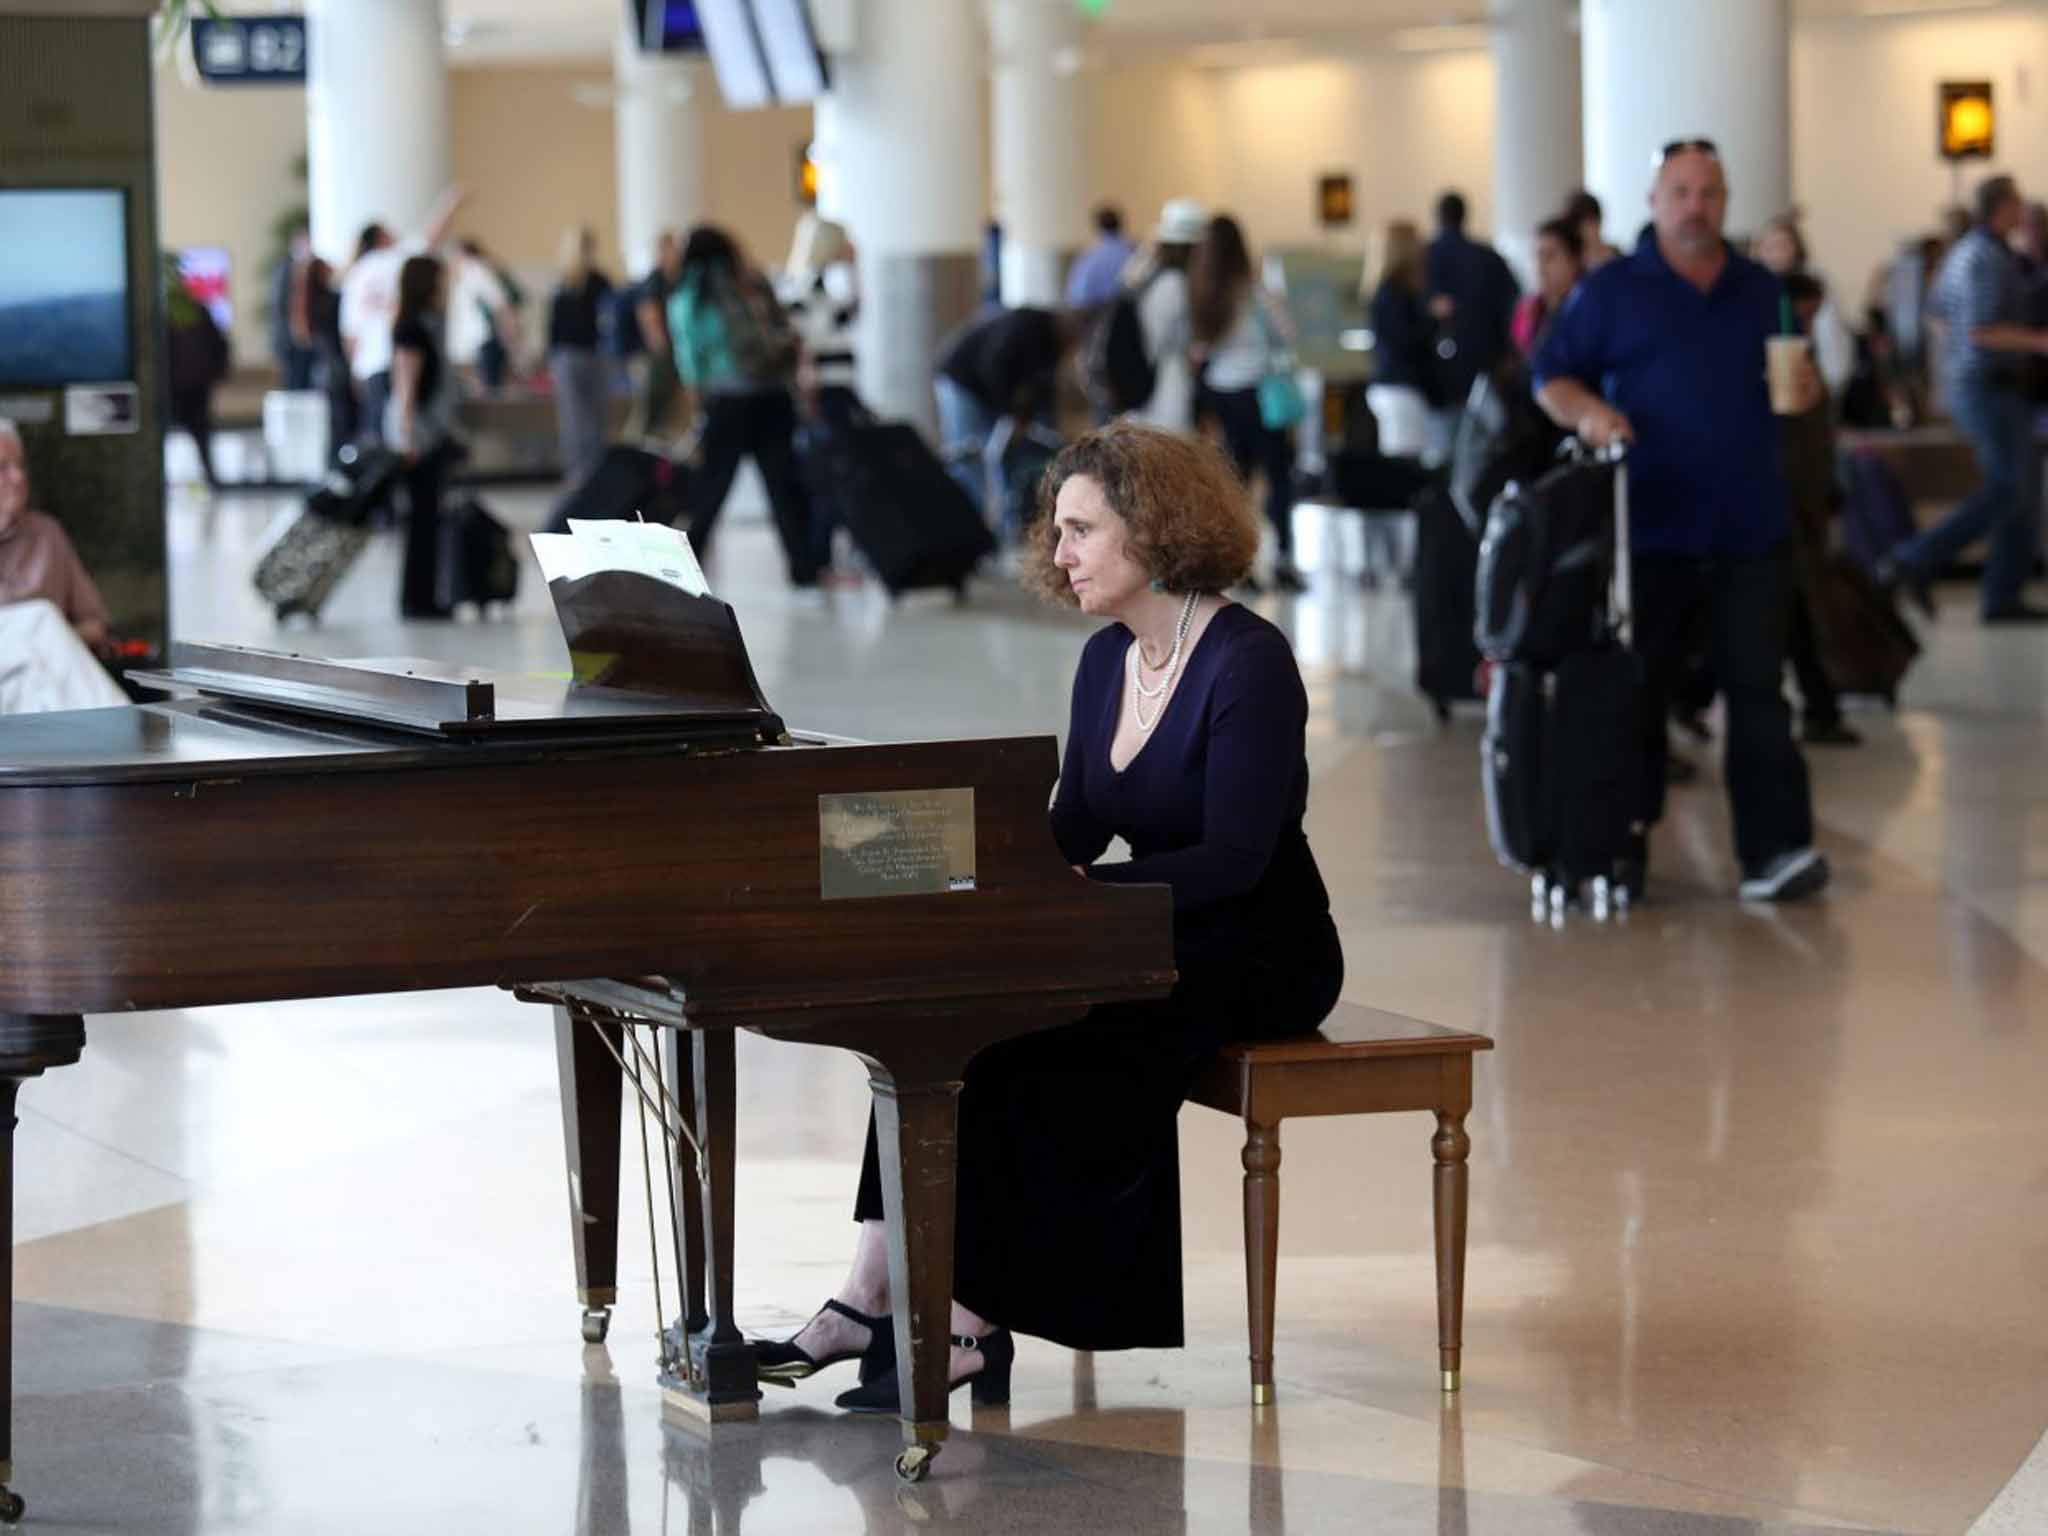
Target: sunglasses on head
{"points": [[1686, 146]]}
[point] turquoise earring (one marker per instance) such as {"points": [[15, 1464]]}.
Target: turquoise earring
{"points": [[1158, 585]]}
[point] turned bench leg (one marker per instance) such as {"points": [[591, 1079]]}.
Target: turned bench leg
{"points": [[1261, 1247], [1451, 1145]]}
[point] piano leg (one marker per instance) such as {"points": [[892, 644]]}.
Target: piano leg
{"points": [[30, 1044], [721, 1360], [679, 1056], [591, 1094], [916, 1133]]}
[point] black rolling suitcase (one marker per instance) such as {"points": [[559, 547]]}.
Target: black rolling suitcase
{"points": [[1562, 756], [911, 519], [629, 483], [478, 562], [1446, 563], [299, 572]]}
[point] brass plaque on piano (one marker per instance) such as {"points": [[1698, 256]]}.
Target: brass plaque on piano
{"points": [[909, 842]]}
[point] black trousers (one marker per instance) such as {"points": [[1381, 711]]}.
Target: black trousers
{"points": [[1254, 445], [1068, 1201], [760, 426], [192, 412], [1740, 607], [424, 479]]}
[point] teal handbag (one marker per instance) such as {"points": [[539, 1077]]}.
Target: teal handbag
{"points": [[1282, 406]]}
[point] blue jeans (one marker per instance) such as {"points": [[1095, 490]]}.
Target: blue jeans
{"points": [[1997, 422], [965, 426]]}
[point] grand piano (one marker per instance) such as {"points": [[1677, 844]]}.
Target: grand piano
{"points": [[635, 853]]}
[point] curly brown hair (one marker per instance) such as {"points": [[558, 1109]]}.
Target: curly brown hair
{"points": [[1190, 526]]}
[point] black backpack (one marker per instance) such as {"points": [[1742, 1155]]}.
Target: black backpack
{"points": [[1545, 563], [1121, 371]]}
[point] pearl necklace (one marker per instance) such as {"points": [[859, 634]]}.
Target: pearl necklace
{"points": [[1180, 636]]}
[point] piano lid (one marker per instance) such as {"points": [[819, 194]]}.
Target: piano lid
{"points": [[448, 701]]}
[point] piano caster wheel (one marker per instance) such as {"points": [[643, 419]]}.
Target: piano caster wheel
{"points": [[915, 1462], [12, 1507], [597, 1322]]}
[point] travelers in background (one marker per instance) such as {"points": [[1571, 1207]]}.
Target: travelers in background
{"points": [[656, 386], [1781, 247], [998, 371], [1162, 285], [330, 373], [1097, 275], [1665, 349], [821, 292], [369, 301], [196, 361], [419, 426], [735, 350], [483, 316], [1560, 263], [576, 311], [1240, 335], [1472, 296], [1402, 338], [1980, 300], [1582, 211], [292, 343]]}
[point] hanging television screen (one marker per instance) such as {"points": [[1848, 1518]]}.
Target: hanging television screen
{"points": [[64, 287], [794, 62], [666, 26], [735, 49]]}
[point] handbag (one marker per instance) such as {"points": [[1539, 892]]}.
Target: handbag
{"points": [[1282, 406]]}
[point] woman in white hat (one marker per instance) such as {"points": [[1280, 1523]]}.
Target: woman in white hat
{"points": [[1163, 312]]}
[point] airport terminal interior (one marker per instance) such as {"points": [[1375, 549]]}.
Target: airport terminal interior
{"points": [[1755, 1237]]}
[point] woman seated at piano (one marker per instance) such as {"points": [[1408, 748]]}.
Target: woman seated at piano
{"points": [[1187, 742]]}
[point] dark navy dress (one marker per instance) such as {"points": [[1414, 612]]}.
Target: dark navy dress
{"points": [[1069, 1204]]}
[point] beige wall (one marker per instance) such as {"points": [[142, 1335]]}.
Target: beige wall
{"points": [[1153, 133], [224, 173], [1404, 127], [1864, 165], [535, 159]]}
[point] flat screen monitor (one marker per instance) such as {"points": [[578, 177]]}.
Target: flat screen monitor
{"points": [[206, 272], [666, 26], [794, 62], [64, 287], [735, 50]]}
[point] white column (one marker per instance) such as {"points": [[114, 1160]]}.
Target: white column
{"points": [[901, 151], [376, 117], [1039, 144], [1536, 154], [658, 139], [1656, 71]]}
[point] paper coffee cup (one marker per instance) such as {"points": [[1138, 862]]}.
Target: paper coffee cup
{"points": [[1783, 360]]}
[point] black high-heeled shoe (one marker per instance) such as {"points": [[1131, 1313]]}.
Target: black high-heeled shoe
{"points": [[989, 1386], [785, 1362]]}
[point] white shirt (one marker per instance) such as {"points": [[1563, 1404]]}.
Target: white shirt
{"points": [[474, 292], [1240, 360], [1163, 312], [369, 306]]}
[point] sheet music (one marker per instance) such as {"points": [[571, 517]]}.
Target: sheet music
{"points": [[650, 549]]}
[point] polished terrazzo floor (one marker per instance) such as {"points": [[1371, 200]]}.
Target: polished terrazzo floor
{"points": [[1756, 1236]]}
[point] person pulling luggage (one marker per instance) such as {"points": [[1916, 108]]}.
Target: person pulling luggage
{"points": [[1666, 348]]}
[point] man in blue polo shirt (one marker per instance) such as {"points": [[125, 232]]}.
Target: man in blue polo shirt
{"points": [[1664, 348]]}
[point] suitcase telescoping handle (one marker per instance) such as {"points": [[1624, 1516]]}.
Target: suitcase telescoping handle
{"points": [[1620, 590]]}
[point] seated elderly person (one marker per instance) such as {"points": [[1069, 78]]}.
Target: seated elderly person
{"points": [[53, 625]]}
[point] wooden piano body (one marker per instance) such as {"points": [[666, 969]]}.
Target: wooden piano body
{"points": [[223, 850]]}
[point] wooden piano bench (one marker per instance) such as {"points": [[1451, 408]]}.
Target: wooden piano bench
{"points": [[1361, 1062]]}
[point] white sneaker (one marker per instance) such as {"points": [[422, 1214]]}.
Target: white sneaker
{"points": [[1789, 877]]}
